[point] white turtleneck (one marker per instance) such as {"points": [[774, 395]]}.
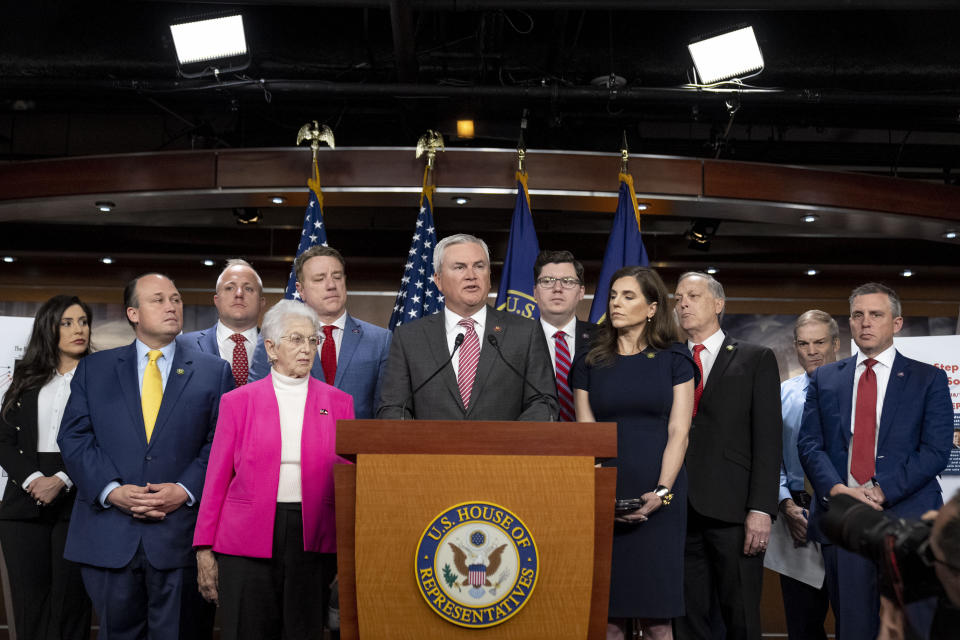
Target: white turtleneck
{"points": [[292, 400]]}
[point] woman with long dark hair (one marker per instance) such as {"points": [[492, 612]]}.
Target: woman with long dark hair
{"points": [[637, 375], [49, 601]]}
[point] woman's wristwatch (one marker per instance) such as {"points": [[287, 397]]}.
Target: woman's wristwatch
{"points": [[664, 494]]}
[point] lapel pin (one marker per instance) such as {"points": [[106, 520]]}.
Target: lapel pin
{"points": [[730, 347], [497, 329], [323, 412], [356, 329], [900, 374], [180, 372], [652, 355]]}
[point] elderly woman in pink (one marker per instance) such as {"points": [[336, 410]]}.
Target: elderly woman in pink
{"points": [[265, 533]]}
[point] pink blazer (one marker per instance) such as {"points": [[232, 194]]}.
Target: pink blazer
{"points": [[240, 493]]}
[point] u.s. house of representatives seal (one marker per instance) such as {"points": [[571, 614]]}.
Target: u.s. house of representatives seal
{"points": [[476, 564]]}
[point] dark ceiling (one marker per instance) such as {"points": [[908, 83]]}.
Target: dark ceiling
{"points": [[861, 86]]}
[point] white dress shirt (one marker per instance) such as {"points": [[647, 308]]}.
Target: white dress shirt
{"points": [[340, 324], [709, 355], [51, 401], [450, 320], [226, 345], [882, 370], [570, 329]]}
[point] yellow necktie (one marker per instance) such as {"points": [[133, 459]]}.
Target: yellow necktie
{"points": [[152, 393]]}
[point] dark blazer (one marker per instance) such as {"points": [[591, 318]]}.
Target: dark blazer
{"points": [[360, 365], [585, 332], [204, 340], [102, 439], [733, 459], [420, 348], [18, 457], [913, 444]]}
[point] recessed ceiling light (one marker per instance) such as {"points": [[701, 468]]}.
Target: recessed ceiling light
{"points": [[278, 199], [812, 272], [906, 273], [461, 200], [642, 206], [712, 270], [950, 235], [9, 259], [810, 217], [106, 260], [105, 207], [208, 262]]}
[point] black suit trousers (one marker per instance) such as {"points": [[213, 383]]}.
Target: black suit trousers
{"points": [[715, 566], [47, 594]]}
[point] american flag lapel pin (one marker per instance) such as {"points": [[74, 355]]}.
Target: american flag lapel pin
{"points": [[323, 412], [899, 374], [356, 329]]}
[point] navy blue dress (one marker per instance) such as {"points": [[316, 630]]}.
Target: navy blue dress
{"points": [[636, 392]]}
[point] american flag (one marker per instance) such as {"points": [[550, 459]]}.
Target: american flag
{"points": [[314, 232], [418, 295]]}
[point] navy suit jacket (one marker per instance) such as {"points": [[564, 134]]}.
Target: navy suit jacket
{"points": [[360, 365], [205, 340], [102, 439], [913, 444]]}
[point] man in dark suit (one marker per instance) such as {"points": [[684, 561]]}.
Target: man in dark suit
{"points": [[135, 438], [558, 288], [352, 353], [239, 302], [878, 427], [733, 464], [480, 384]]}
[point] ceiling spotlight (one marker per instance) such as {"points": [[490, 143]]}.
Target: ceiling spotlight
{"points": [[105, 206], [461, 200], [711, 270], [812, 272], [906, 273], [465, 129], [106, 260], [210, 46], [247, 215], [731, 55], [9, 259], [278, 199], [642, 206], [208, 262], [950, 235], [810, 217], [700, 234]]}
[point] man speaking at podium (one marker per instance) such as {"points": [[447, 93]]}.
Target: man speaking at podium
{"points": [[470, 362]]}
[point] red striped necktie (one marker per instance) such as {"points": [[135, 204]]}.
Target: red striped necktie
{"points": [[469, 357], [698, 392], [564, 394]]}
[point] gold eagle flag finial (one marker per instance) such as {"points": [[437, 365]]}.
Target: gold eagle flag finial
{"points": [[316, 134], [430, 142], [624, 155]]}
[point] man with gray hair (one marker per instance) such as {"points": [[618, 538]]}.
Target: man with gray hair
{"points": [[239, 302], [733, 462], [878, 427], [816, 339], [470, 362]]}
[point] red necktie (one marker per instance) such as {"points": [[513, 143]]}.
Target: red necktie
{"points": [[862, 462], [698, 392], [328, 355], [469, 357], [564, 395], [240, 364]]}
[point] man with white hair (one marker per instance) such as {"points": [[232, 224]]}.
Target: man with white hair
{"points": [[239, 302], [470, 362]]}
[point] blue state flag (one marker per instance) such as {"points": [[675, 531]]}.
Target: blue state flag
{"points": [[314, 232], [624, 247], [418, 295], [516, 283]]}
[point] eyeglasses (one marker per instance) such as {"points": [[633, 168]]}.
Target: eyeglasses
{"points": [[297, 340], [547, 282]]}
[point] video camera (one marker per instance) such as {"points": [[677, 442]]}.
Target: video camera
{"points": [[899, 547]]}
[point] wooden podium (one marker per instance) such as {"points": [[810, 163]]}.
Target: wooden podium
{"points": [[407, 473]]}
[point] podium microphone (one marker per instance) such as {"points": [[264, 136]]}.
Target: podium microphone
{"points": [[456, 345], [492, 339]]}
